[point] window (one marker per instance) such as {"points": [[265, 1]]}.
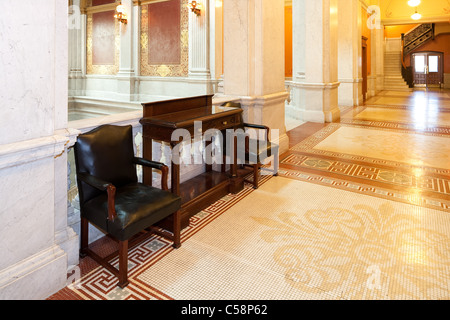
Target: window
{"points": [[419, 63], [433, 64]]}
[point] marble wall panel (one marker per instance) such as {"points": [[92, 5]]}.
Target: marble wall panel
{"points": [[27, 198]]}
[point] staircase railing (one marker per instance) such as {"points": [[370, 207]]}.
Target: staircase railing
{"points": [[411, 41], [407, 72], [418, 36]]}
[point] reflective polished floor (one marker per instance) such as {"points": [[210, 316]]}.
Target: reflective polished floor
{"points": [[398, 141], [394, 148]]}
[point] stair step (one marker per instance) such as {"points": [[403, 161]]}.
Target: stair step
{"points": [[394, 79]]}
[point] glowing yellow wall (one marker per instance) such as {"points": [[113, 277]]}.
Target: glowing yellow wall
{"points": [[396, 31], [288, 40], [366, 33]]}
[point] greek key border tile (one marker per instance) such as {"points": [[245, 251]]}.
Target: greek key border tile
{"points": [[394, 195], [309, 143]]}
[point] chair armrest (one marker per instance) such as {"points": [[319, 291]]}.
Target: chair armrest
{"points": [[259, 126], [155, 165], [93, 181], [102, 186]]}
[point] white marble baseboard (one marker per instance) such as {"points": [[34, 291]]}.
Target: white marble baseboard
{"points": [[36, 277]]}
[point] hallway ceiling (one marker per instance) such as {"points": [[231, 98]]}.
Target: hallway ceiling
{"points": [[399, 12]]}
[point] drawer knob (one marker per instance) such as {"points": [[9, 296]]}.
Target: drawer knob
{"points": [[225, 123]]}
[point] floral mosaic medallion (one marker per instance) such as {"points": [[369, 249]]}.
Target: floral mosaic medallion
{"points": [[383, 253]]}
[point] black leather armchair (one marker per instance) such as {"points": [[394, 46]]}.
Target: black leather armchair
{"points": [[113, 200], [253, 152]]}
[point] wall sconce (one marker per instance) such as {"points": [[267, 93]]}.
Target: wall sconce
{"points": [[195, 7], [121, 13]]}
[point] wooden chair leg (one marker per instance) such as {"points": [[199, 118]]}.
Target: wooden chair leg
{"points": [[276, 163], [256, 176], [176, 229], [84, 237], [123, 264]]}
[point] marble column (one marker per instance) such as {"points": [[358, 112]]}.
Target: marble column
{"points": [[216, 38], [201, 52], [315, 81], [349, 53], [378, 57], [254, 61], [33, 139], [77, 49], [297, 104], [126, 75]]}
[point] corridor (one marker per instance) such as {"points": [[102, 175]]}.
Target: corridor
{"points": [[396, 146]]}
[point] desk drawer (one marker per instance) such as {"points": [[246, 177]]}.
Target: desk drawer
{"points": [[222, 123]]}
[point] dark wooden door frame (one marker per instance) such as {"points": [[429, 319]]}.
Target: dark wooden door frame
{"points": [[420, 79], [364, 67]]}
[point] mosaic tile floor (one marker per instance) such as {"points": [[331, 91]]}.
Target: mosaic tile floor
{"points": [[385, 153], [360, 211]]}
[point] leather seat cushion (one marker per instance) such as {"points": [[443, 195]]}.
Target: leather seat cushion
{"points": [[256, 151], [261, 152], [138, 206]]}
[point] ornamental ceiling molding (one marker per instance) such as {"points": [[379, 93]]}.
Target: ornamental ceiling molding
{"points": [[437, 19]]}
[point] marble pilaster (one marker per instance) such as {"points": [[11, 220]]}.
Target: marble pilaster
{"points": [[315, 80], [254, 61], [349, 52], [32, 147], [126, 75]]}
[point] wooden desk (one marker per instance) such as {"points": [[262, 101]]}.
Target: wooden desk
{"points": [[161, 119]]}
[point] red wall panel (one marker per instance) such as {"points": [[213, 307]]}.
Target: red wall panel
{"points": [[164, 25], [103, 38], [100, 2]]}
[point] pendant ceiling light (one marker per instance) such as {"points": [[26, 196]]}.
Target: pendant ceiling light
{"points": [[416, 15], [413, 3]]}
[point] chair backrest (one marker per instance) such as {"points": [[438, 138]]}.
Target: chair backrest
{"points": [[107, 153]]}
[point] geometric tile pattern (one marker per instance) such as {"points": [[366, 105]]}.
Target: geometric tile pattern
{"points": [[388, 174], [310, 144], [97, 283], [306, 241], [384, 192], [434, 183]]}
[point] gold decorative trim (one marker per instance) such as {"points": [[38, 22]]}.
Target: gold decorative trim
{"points": [[177, 70], [145, 2], [101, 8]]}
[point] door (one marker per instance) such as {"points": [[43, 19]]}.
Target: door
{"points": [[364, 67], [435, 72], [428, 69]]}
